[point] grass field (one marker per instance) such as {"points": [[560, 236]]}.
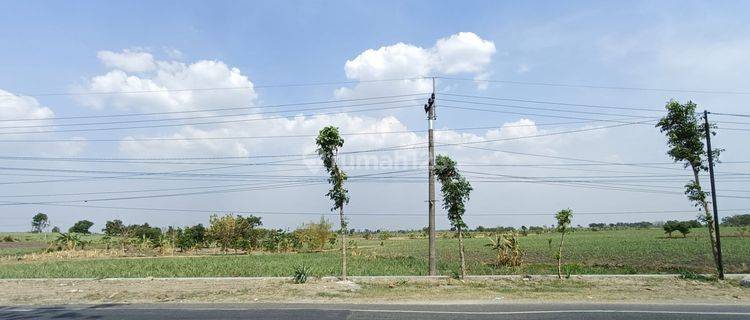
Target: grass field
{"points": [[586, 252]]}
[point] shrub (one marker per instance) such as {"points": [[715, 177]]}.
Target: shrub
{"points": [[70, 241], [316, 235], [9, 238], [508, 252], [301, 273], [690, 275]]}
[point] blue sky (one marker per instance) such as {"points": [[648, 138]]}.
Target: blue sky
{"points": [[53, 47]]}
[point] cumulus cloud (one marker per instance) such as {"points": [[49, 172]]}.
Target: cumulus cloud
{"points": [[166, 83], [461, 53], [127, 60], [22, 107], [29, 120]]}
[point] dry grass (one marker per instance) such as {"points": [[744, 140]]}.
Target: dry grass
{"points": [[642, 290]]}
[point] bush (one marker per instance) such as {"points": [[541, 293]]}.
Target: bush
{"points": [[508, 252], [9, 238], [690, 275], [315, 235], [301, 273]]}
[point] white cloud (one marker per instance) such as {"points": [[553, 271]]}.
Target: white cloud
{"points": [[21, 107], [464, 52], [166, 83], [36, 119], [127, 60], [461, 53]]}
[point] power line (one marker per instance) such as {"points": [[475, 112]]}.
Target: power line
{"points": [[128, 139], [285, 85], [387, 213], [550, 102], [539, 108], [583, 86], [209, 116], [536, 114], [198, 110], [207, 122]]}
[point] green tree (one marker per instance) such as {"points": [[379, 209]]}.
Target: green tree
{"points": [[82, 226], [114, 228], [670, 226], [685, 134], [226, 231], [39, 222], [316, 235], [455, 189], [684, 228], [563, 224], [329, 142], [740, 220], [191, 237]]}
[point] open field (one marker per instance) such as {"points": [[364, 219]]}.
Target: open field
{"points": [[629, 251]]}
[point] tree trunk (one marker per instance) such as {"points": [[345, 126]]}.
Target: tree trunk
{"points": [[343, 243], [709, 222], [461, 253], [559, 256]]}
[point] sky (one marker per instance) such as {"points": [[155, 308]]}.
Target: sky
{"points": [[168, 111]]}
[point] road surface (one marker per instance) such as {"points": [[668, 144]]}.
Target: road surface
{"points": [[368, 311]]}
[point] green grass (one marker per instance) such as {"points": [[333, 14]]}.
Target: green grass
{"points": [[585, 252]]}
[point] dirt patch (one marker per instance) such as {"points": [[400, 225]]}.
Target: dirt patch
{"points": [[248, 290]]}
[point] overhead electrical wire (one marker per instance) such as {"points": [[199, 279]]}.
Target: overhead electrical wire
{"points": [[585, 86]]}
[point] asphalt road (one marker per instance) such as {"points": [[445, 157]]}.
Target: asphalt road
{"points": [[367, 311]]}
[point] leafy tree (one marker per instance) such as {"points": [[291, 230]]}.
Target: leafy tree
{"points": [[329, 142], [455, 189], [56, 229], [142, 231], [685, 134], [191, 237], [39, 222], [81, 227], [670, 226], [683, 228], [316, 235], [114, 228], [226, 231], [740, 220], [563, 224]]}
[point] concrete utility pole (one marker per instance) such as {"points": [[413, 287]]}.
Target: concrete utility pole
{"points": [[713, 194], [429, 108]]}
